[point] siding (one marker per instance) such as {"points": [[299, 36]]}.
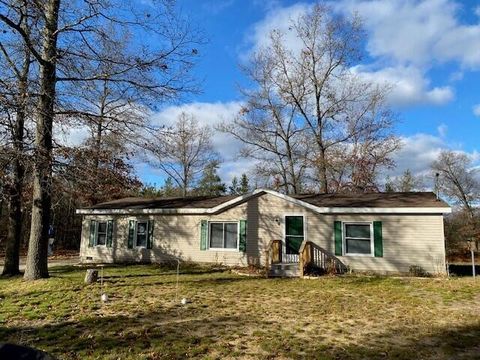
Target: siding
{"points": [[173, 237], [414, 239]]}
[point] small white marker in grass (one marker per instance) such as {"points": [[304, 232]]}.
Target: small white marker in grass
{"points": [[104, 296], [184, 301]]}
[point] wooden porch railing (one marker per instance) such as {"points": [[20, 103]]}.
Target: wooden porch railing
{"points": [[315, 256], [273, 254]]}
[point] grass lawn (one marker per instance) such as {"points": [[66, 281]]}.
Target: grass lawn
{"points": [[231, 316]]}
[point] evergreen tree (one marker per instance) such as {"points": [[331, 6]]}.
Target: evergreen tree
{"points": [[233, 189], [211, 183], [169, 189], [408, 182], [244, 184], [389, 186], [150, 191]]}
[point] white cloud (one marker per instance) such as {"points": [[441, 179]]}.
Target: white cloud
{"points": [[420, 150], [409, 86], [476, 10], [442, 130], [277, 18], [399, 55], [456, 76], [212, 114], [476, 110], [71, 135], [417, 153], [417, 32]]}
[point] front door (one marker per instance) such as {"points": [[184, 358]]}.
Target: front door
{"points": [[294, 235]]}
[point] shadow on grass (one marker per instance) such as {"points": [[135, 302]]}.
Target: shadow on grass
{"points": [[183, 332], [119, 281], [166, 333]]}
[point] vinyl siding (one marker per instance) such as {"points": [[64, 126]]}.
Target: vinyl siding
{"points": [[174, 236], [414, 239]]}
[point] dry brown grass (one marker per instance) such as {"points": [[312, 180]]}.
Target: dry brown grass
{"points": [[231, 316]]}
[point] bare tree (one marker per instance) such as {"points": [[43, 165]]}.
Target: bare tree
{"points": [[15, 103], [315, 80], [457, 179], [63, 42], [183, 151], [267, 127]]}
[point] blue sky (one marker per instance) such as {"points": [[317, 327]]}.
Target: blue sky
{"points": [[428, 50]]}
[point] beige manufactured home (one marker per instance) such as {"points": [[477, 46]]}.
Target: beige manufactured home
{"points": [[380, 232]]}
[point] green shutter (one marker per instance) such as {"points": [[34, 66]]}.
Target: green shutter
{"points": [[93, 230], [131, 233], [338, 238], [242, 243], [377, 239], [150, 234], [203, 234], [109, 233]]}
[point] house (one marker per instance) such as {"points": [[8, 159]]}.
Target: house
{"points": [[380, 232]]}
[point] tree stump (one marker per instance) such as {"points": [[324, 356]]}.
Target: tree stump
{"points": [[91, 276]]}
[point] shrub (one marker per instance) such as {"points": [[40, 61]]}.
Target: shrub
{"points": [[418, 271]]}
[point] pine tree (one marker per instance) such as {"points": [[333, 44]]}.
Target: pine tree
{"points": [[234, 189], [389, 186], [169, 189], [244, 184], [211, 183], [407, 182]]}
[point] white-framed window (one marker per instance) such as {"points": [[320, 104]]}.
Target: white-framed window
{"points": [[358, 238], [101, 233], [141, 233], [101, 236], [223, 235]]}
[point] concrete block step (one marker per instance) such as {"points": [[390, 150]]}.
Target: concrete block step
{"points": [[285, 266], [284, 270]]}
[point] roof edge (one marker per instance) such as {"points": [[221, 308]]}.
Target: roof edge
{"points": [[245, 197]]}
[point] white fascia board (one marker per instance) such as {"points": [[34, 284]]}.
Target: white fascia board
{"points": [[142, 211], [241, 198], [379, 210]]}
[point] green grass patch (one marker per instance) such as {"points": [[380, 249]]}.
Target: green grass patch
{"points": [[230, 316]]}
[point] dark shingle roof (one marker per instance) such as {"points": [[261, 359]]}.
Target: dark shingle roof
{"points": [[374, 200], [203, 202], [363, 200]]}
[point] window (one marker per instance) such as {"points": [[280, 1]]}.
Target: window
{"points": [[358, 239], [142, 231], [223, 235], [294, 234], [101, 233]]}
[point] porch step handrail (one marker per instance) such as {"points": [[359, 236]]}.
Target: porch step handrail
{"points": [[273, 253], [312, 254]]}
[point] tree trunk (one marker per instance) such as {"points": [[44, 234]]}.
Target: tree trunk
{"points": [[322, 172], [91, 276], [37, 266], [12, 248]]}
